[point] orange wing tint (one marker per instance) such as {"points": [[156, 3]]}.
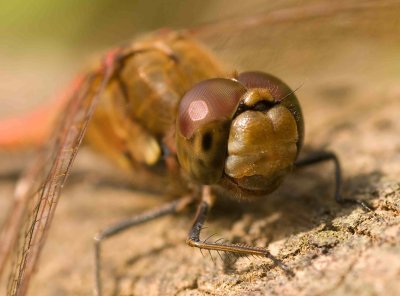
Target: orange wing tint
{"points": [[33, 129]]}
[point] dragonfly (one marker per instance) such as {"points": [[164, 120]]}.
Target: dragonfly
{"points": [[172, 163]]}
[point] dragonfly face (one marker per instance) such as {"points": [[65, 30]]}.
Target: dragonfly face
{"points": [[246, 132]]}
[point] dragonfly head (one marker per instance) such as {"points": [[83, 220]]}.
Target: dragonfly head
{"points": [[243, 133]]}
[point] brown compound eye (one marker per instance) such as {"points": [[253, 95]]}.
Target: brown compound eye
{"points": [[203, 121], [255, 79], [208, 101]]}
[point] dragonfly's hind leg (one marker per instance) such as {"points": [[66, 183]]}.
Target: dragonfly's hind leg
{"points": [[321, 156], [193, 239], [170, 208]]}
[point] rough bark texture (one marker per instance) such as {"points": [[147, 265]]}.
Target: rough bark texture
{"points": [[351, 104]]}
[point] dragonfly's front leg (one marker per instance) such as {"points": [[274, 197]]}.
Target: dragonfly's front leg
{"points": [[322, 156], [170, 208], [193, 239]]}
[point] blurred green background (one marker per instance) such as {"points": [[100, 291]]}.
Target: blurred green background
{"points": [[43, 23], [44, 42]]}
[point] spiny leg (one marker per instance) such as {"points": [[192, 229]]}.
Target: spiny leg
{"points": [[193, 239], [322, 156], [170, 208]]}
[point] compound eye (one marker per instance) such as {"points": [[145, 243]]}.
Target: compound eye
{"points": [[254, 79], [209, 100]]}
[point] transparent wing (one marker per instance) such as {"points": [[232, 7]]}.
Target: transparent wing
{"points": [[38, 192], [297, 41]]}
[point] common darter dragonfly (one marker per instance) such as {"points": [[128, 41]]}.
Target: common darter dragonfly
{"points": [[305, 55]]}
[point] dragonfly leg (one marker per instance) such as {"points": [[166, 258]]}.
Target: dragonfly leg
{"points": [[321, 156], [193, 239], [170, 208]]}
